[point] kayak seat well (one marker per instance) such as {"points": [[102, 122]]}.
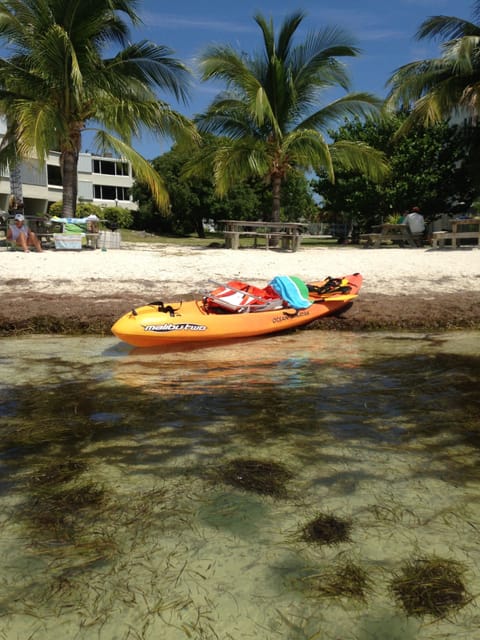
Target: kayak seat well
{"points": [[240, 297]]}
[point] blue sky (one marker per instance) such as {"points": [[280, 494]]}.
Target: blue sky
{"points": [[383, 30]]}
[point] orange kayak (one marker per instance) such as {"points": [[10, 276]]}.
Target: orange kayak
{"points": [[197, 321]]}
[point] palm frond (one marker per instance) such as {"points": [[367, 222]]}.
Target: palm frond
{"points": [[223, 63], [320, 49], [130, 118], [143, 169], [268, 35], [410, 82], [358, 156], [433, 89], [237, 160], [151, 65], [229, 115], [446, 28], [308, 150], [285, 37], [357, 105], [462, 55], [202, 160]]}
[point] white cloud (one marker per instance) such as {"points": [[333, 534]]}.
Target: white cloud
{"points": [[172, 21]]}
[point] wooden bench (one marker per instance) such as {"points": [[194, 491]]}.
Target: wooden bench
{"points": [[371, 239], [288, 241], [317, 236], [285, 239], [392, 234], [439, 237], [232, 238]]}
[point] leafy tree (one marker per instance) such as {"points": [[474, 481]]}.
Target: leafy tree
{"points": [[297, 198], [189, 199], [269, 114], [194, 198], [55, 83], [426, 170]]}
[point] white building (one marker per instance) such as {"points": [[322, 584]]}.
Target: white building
{"points": [[104, 181]]}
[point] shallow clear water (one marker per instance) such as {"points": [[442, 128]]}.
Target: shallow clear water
{"points": [[118, 521]]}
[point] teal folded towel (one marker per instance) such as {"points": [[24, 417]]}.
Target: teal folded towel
{"points": [[292, 290]]}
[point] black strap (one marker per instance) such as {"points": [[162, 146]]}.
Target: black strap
{"points": [[161, 308], [332, 285]]}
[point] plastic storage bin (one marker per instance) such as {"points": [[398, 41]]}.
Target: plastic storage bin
{"points": [[68, 241], [109, 240]]}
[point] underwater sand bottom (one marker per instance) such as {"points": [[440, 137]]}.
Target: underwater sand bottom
{"points": [[177, 554]]}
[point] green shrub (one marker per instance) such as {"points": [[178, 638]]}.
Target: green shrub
{"points": [[394, 218], [121, 217], [56, 209], [84, 209], [476, 206]]}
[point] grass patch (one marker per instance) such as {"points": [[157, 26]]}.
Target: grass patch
{"points": [[142, 237], [346, 580], [430, 586], [258, 476], [327, 529], [211, 239]]}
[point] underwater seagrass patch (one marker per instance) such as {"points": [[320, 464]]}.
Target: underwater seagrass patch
{"points": [[259, 476], [346, 580], [327, 529], [57, 512], [430, 586], [54, 474]]}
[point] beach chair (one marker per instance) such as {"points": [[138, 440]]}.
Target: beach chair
{"points": [[240, 297]]}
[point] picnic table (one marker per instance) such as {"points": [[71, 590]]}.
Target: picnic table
{"points": [[396, 233], [289, 234], [462, 228]]}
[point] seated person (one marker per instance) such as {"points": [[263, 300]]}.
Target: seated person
{"points": [[416, 224], [414, 221], [22, 235]]}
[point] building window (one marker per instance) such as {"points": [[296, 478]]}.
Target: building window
{"points": [[110, 167], [54, 176], [107, 192]]}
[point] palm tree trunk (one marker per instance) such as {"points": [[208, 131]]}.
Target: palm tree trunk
{"points": [[69, 171], [276, 188], [16, 187], [199, 226]]}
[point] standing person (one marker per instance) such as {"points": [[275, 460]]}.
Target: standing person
{"points": [[416, 225], [22, 235]]}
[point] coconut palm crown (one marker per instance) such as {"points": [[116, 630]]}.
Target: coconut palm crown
{"points": [[271, 114], [435, 88], [56, 83]]}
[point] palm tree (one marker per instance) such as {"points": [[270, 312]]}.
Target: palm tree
{"points": [[269, 114], [56, 84], [10, 159], [434, 89]]}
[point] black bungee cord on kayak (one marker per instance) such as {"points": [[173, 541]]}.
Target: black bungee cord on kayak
{"points": [[161, 308], [332, 285]]}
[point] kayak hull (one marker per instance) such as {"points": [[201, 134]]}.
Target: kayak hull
{"points": [[190, 322]]}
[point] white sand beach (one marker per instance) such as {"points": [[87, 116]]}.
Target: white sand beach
{"points": [[173, 270]]}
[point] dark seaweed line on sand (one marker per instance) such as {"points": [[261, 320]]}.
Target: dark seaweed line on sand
{"points": [[81, 315]]}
